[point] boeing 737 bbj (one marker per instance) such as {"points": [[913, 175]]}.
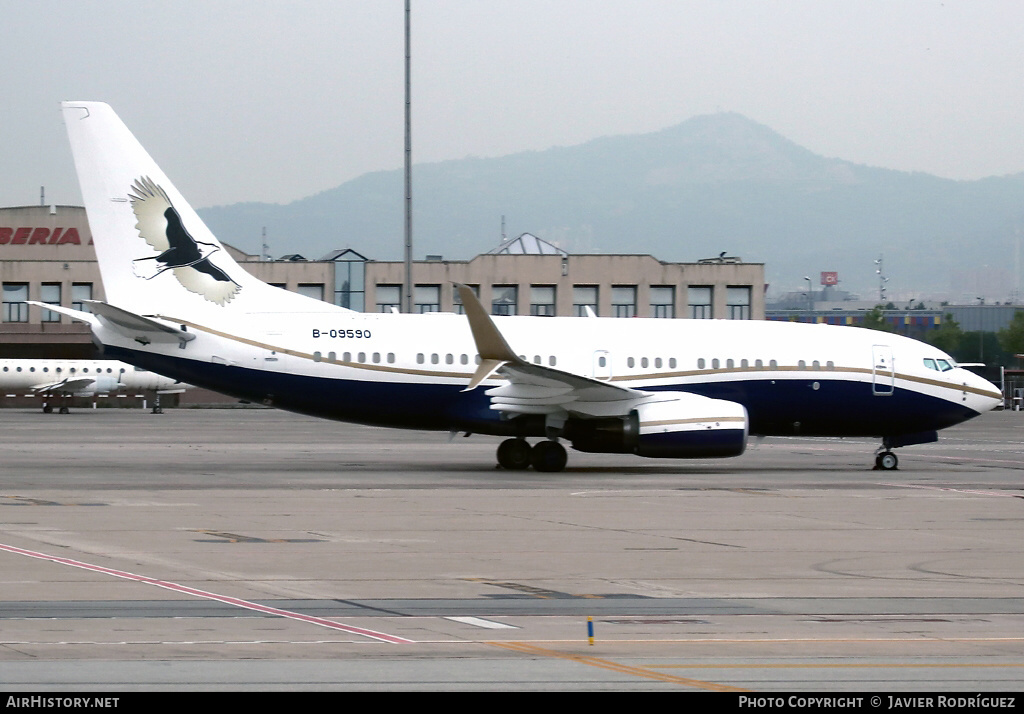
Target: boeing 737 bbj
{"points": [[178, 304]]}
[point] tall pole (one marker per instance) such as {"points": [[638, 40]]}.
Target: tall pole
{"points": [[407, 287]]}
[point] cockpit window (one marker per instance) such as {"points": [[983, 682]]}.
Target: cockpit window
{"points": [[939, 365]]}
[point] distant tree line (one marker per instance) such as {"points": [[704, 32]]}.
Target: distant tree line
{"points": [[976, 346]]}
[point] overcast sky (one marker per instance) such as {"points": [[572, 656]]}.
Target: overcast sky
{"points": [[274, 100]]}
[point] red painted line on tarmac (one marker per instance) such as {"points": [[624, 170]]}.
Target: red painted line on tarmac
{"points": [[237, 602]]}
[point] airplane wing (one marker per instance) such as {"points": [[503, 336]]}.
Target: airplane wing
{"points": [[65, 385], [534, 388]]}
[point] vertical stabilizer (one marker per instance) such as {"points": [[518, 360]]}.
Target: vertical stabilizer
{"points": [[156, 256]]}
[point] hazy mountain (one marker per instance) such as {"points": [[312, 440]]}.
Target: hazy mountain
{"points": [[711, 184]]}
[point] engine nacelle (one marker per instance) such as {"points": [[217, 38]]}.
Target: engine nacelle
{"points": [[678, 425]]}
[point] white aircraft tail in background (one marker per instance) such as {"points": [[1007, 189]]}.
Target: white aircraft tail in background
{"points": [[179, 305]]}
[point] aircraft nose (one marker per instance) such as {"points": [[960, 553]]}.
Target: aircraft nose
{"points": [[986, 396]]}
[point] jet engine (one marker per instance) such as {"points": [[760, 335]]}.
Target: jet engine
{"points": [[670, 425]]}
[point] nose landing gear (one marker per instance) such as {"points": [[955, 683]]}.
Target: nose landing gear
{"points": [[886, 461]]}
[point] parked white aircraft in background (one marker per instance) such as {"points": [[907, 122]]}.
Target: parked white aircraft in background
{"points": [[50, 378], [177, 303]]}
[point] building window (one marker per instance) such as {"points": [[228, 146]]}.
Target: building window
{"points": [[737, 301], [427, 298], [624, 300], [350, 281], [584, 296], [700, 301], [457, 299], [663, 301], [542, 300], [50, 294], [313, 290], [15, 295], [504, 300], [388, 297], [80, 292]]}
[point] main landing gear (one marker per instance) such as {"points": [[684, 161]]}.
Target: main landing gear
{"points": [[517, 455], [62, 409]]}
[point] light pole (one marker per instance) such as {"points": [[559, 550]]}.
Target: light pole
{"points": [[407, 297]]}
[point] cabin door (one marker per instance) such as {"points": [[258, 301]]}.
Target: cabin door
{"points": [[883, 377]]}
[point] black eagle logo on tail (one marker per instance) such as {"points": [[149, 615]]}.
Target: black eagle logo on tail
{"points": [[160, 225]]}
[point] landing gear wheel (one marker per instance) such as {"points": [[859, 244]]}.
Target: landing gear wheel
{"points": [[47, 409], [886, 461], [64, 410], [514, 454], [548, 456]]}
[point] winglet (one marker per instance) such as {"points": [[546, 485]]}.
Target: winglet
{"points": [[494, 351], [489, 342], [486, 369]]}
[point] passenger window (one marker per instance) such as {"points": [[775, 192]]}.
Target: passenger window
{"points": [[671, 362], [644, 362], [631, 362], [700, 363]]}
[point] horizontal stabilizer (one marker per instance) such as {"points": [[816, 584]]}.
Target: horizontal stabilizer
{"points": [[141, 329], [69, 311]]}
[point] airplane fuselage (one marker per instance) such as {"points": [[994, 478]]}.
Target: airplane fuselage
{"points": [[87, 377], [410, 370]]}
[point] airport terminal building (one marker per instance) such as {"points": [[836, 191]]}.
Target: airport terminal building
{"points": [[46, 255]]}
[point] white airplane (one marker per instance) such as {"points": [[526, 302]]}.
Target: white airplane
{"points": [[51, 378], [177, 303]]}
